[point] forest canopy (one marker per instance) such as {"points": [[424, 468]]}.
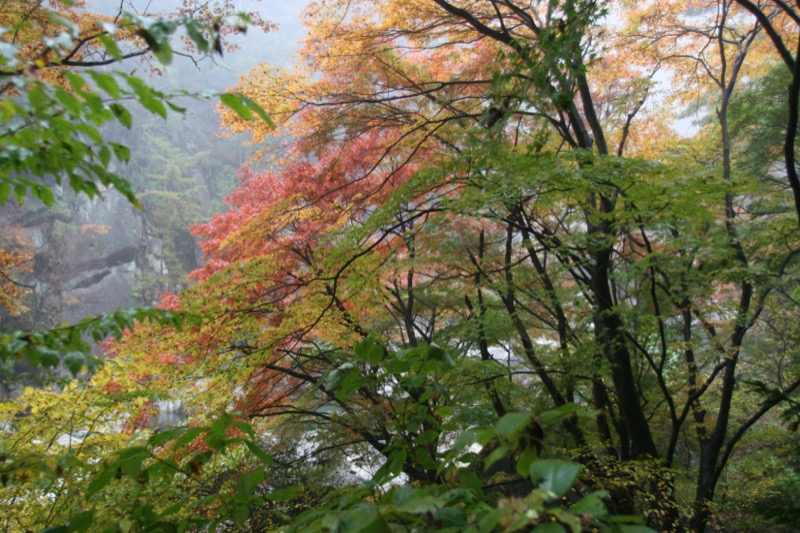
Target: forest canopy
{"points": [[518, 266]]}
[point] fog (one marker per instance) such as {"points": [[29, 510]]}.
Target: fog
{"points": [[93, 256]]}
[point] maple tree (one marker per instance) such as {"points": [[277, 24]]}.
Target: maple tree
{"points": [[606, 232], [486, 265]]}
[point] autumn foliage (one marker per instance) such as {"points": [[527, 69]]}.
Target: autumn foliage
{"points": [[484, 253], [503, 180]]}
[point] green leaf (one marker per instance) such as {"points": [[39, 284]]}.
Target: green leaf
{"points": [[172, 509], [106, 82], [392, 466], [76, 81], [194, 31], [56, 529], [426, 437], [124, 187], [423, 457], [479, 435], [592, 504], [258, 110], [490, 520], [74, 361], [159, 438], [247, 483], [470, 480], [559, 413], [49, 357], [413, 500], [104, 155], [130, 460], [69, 101], [244, 107], [19, 192], [111, 46], [512, 424], [126, 525], [100, 481], [451, 517], [526, 458], [333, 381], [81, 522], [121, 152], [45, 194], [175, 107], [364, 518], [369, 351], [352, 382], [154, 105], [163, 53], [147, 97], [37, 97], [188, 437], [259, 452], [498, 453], [123, 115], [5, 191], [235, 102], [220, 426], [549, 527], [285, 495], [555, 475], [245, 427]]}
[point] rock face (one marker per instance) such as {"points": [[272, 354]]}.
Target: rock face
{"points": [[89, 257]]}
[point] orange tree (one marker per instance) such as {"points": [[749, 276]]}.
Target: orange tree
{"points": [[484, 216]]}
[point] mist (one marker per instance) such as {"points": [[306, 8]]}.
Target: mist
{"points": [[94, 256]]}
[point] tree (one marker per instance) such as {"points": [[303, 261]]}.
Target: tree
{"points": [[530, 149], [781, 22], [476, 266]]}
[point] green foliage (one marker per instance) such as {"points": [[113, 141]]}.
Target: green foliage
{"points": [[245, 107], [53, 130], [50, 134], [758, 121], [760, 490], [153, 486], [453, 488], [69, 345], [461, 501], [526, 336], [147, 465]]}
